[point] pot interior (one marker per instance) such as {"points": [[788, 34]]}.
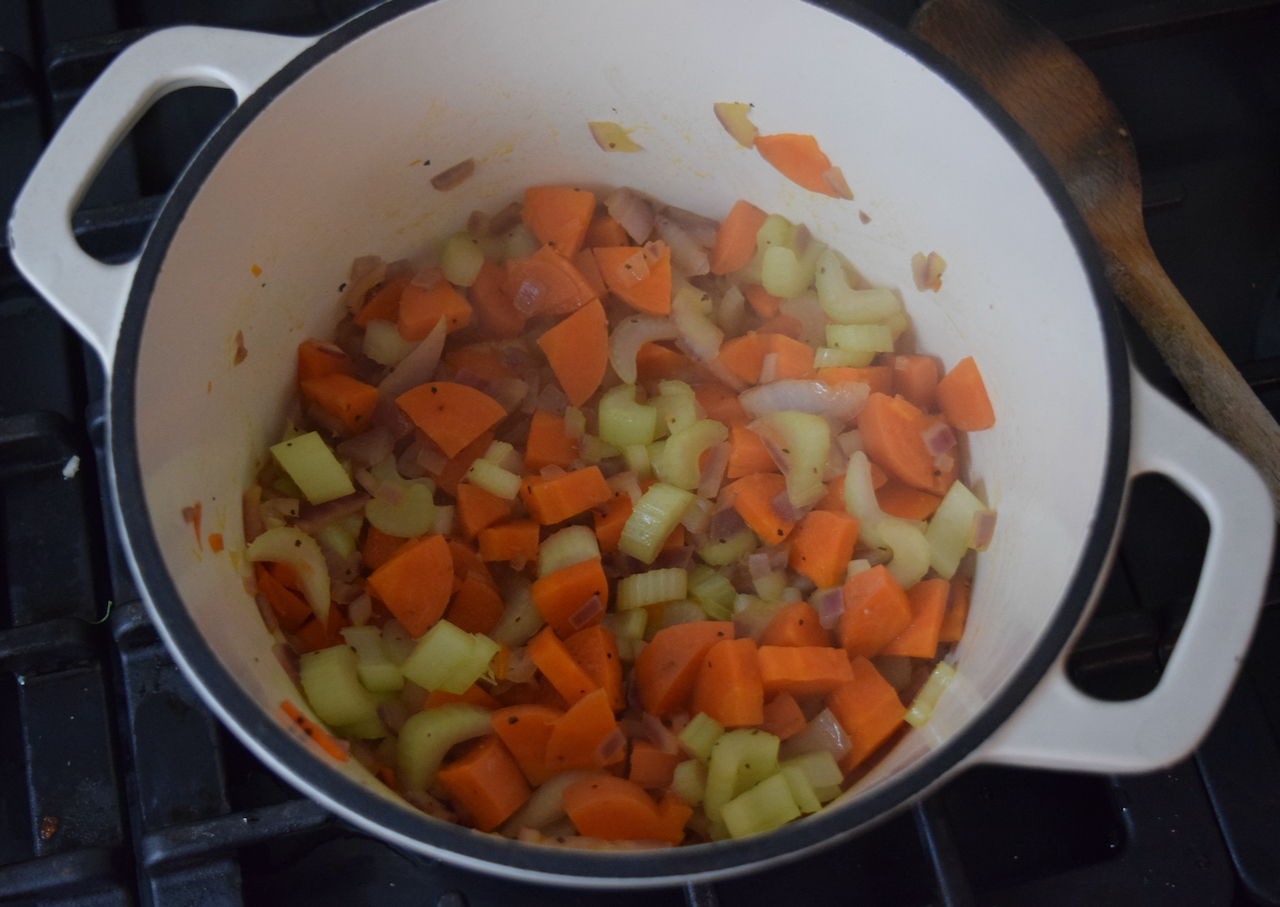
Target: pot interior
{"points": [[334, 160]]}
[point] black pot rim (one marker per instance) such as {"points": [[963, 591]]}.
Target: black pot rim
{"points": [[488, 852]]}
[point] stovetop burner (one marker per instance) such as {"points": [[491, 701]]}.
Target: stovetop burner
{"points": [[118, 787]]}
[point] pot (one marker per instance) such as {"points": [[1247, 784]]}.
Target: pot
{"points": [[330, 154]]}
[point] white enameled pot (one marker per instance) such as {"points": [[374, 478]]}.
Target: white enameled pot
{"points": [[323, 160]]}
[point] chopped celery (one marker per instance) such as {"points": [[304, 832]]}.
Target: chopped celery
{"points": [[494, 479], [731, 311], [751, 615], [637, 459], [449, 658], [682, 612], [927, 698], [771, 586], [801, 789], [377, 672], [520, 242], [776, 231], [866, 339], [461, 259], [690, 780], [412, 516], [804, 442], [948, 532], [792, 594], [713, 592], [857, 565], [497, 451], [740, 760], [521, 618], [331, 682], [592, 449], [288, 545], [676, 404], [910, 551], [575, 422], [722, 552], [679, 463], [370, 728], [623, 421], [830, 357], [427, 736], [341, 535], [383, 344], [653, 518], [781, 272], [819, 767], [845, 305], [690, 311], [313, 468], [653, 587], [700, 735], [627, 624], [571, 545]]}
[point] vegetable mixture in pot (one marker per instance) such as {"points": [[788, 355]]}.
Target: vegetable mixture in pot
{"points": [[619, 526]]}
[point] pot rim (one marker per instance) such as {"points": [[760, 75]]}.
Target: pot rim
{"points": [[272, 742]]}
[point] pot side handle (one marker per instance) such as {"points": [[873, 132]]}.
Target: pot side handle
{"points": [[90, 295], [1059, 727]]}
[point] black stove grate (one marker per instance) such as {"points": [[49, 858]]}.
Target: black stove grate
{"points": [[118, 787]]}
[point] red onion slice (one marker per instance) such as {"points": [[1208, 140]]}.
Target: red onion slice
{"points": [[315, 517], [552, 471], [360, 610], [713, 470], [759, 566], [659, 734], [822, 733], [427, 278], [289, 660], [688, 256], [418, 367], [843, 401], [393, 714], [939, 438], [367, 448], [769, 369], [630, 335], [726, 524], [520, 666], [610, 746], [632, 212], [830, 605], [587, 614], [786, 511], [839, 186], [982, 530], [432, 460]]}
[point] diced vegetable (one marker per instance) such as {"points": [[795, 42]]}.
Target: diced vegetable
{"points": [[313, 466]]}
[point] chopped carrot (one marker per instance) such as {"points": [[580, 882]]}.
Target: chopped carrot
{"points": [[953, 620], [516, 542], [612, 809], [782, 325], [422, 307], [798, 158], [793, 358], [666, 669], [610, 519], [916, 378], [415, 583], [485, 783], [897, 499], [586, 264], [491, 305], [555, 500], [548, 444], [479, 509], [455, 469], [384, 305], [557, 664], [655, 362], [650, 767], [795, 624], [576, 737], [869, 710], [546, 283], [651, 293], [291, 609], [317, 358], [559, 596], [833, 499], [802, 670], [559, 216], [525, 730], [729, 686], [721, 403], [314, 635], [822, 546], [605, 231], [350, 401], [467, 562], [743, 356], [753, 496], [322, 738], [782, 716], [215, 542], [452, 415], [673, 814], [578, 351], [595, 649], [476, 606], [893, 435], [481, 359], [878, 377], [962, 396], [736, 237], [472, 695], [762, 302], [876, 610], [928, 600]]}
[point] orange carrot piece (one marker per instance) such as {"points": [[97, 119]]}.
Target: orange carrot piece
{"points": [[782, 716], [476, 606], [422, 307], [467, 562], [472, 695], [729, 686], [450, 478], [491, 306], [323, 739], [897, 499], [605, 231], [953, 620], [736, 237], [795, 624], [868, 708], [752, 497], [650, 767], [794, 359], [743, 356], [876, 611], [762, 302], [574, 742], [667, 668], [291, 609], [559, 595], [384, 305], [314, 635], [610, 521], [317, 358], [480, 358], [928, 600], [479, 509], [578, 351], [452, 415], [516, 542], [781, 325], [721, 403], [548, 282], [415, 583], [345, 398], [893, 435], [822, 546], [962, 397], [652, 294], [559, 216], [555, 500], [612, 809], [215, 542], [525, 730], [802, 670], [673, 815], [798, 158], [586, 264], [916, 378], [547, 443], [878, 377], [557, 664], [485, 784], [595, 649], [833, 499]]}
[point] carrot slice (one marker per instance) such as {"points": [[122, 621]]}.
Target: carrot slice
{"points": [[782, 716], [485, 784], [491, 305], [610, 519], [893, 435], [822, 546], [795, 624], [476, 606], [612, 809], [762, 302], [802, 670], [721, 403], [736, 237], [479, 509], [729, 686], [455, 469], [798, 158], [957, 612], [291, 609], [595, 649], [651, 294], [784, 325], [868, 708], [384, 305], [483, 359], [452, 415], [555, 500], [833, 499], [605, 231], [753, 495], [878, 377], [472, 695], [962, 396], [559, 216], [343, 397], [666, 669], [557, 664], [546, 283], [793, 359], [415, 583], [916, 379], [422, 307], [317, 358], [576, 737], [928, 600], [325, 741], [650, 767], [585, 262], [378, 547], [897, 499], [560, 595], [516, 542], [578, 351], [876, 611], [467, 562], [525, 730], [547, 443], [743, 356], [314, 635], [673, 815]]}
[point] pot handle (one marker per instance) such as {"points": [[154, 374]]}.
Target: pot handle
{"points": [[1060, 727], [90, 295]]}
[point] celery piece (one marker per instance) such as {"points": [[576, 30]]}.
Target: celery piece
{"points": [[412, 516], [731, 311], [571, 545], [830, 357], [753, 615], [782, 273], [857, 565], [383, 344], [740, 760], [776, 231], [713, 592], [927, 698], [494, 479], [772, 586], [653, 587], [700, 735], [845, 305], [340, 536], [449, 658], [497, 451], [682, 612], [677, 405], [948, 532], [461, 259], [690, 312], [654, 451], [819, 767], [637, 459], [898, 324], [575, 422], [627, 624], [860, 338], [801, 789], [369, 729], [678, 465], [521, 618], [689, 780], [427, 736], [766, 806], [804, 442], [792, 594], [653, 518], [331, 682], [377, 672], [623, 421], [592, 449], [292, 546], [911, 552], [313, 468], [520, 242], [721, 552]]}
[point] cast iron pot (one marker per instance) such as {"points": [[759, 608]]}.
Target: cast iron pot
{"points": [[329, 155]]}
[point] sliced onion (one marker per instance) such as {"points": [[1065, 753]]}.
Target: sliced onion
{"points": [[680, 558], [455, 176], [629, 336], [982, 530], [822, 733], [839, 186], [829, 604], [366, 273], [659, 734], [393, 714], [726, 524], [289, 660], [418, 367], [759, 566], [926, 271], [429, 805], [427, 278], [313, 518], [713, 470], [432, 460], [769, 369], [611, 745], [520, 666], [367, 448], [939, 438], [697, 516], [688, 255], [467, 377], [786, 511], [587, 614], [850, 441], [702, 229], [553, 400], [837, 463], [632, 212], [944, 462], [360, 610], [387, 492], [267, 613], [843, 401]]}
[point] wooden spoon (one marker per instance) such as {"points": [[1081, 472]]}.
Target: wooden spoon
{"points": [[1057, 100]]}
